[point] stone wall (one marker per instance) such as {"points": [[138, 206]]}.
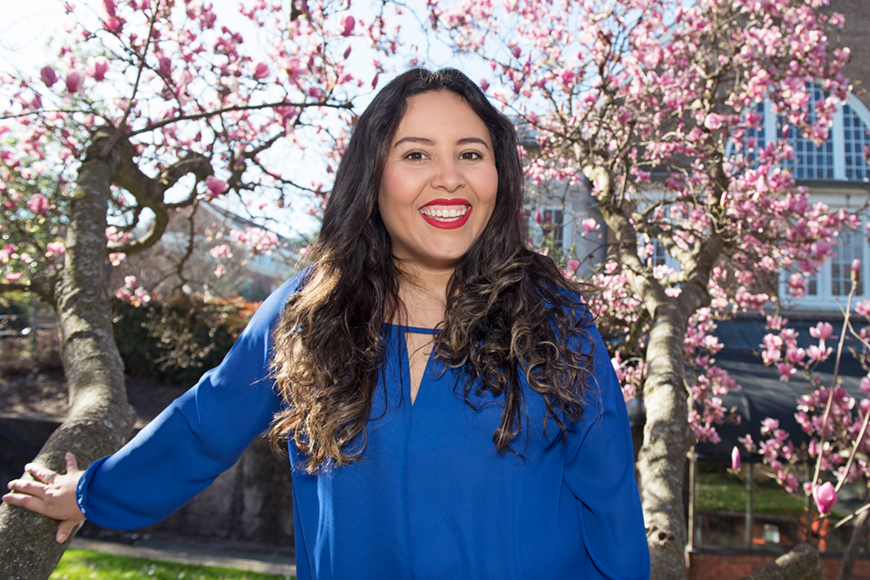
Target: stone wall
{"points": [[249, 503]]}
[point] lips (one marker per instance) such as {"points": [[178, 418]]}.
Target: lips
{"points": [[446, 214]]}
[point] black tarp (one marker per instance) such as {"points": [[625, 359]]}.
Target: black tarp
{"points": [[763, 394]]}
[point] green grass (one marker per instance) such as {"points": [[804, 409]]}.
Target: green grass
{"points": [[724, 492], [87, 565]]}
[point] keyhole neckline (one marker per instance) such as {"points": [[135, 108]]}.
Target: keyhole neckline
{"points": [[415, 329]]}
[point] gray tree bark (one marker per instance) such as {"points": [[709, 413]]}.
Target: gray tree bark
{"points": [[667, 437], [100, 419], [801, 563], [856, 544]]}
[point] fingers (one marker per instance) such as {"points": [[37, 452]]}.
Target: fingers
{"points": [[29, 487], [65, 529], [71, 464], [30, 502], [41, 473], [50, 494]]}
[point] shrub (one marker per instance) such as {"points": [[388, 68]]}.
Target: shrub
{"points": [[177, 338]]}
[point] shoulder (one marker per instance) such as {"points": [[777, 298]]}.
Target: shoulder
{"points": [[272, 309]]}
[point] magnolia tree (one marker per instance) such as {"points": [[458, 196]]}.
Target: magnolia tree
{"points": [[151, 107], [653, 104], [835, 421]]}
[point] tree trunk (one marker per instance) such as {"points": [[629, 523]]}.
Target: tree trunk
{"points": [[100, 419], [667, 437], [801, 563], [856, 544]]}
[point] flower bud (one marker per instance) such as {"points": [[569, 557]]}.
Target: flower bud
{"points": [[825, 496], [735, 459]]}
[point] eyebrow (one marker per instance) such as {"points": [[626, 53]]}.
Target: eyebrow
{"points": [[426, 141]]}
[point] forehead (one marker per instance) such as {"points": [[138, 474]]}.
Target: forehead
{"points": [[440, 114]]}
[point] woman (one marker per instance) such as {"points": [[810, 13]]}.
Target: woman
{"points": [[450, 409]]}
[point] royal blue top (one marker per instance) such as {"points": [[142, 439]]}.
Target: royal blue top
{"points": [[432, 498]]}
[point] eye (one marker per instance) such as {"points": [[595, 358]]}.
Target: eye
{"points": [[415, 156], [470, 155]]}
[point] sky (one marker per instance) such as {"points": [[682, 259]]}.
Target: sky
{"points": [[28, 27]]}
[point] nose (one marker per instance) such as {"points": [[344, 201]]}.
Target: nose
{"points": [[448, 176]]}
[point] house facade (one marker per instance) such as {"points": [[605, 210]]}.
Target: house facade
{"points": [[230, 256], [836, 173]]}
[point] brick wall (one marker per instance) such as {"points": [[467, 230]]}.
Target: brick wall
{"points": [[855, 36], [739, 565]]}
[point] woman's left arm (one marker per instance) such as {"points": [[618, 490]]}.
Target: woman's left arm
{"points": [[599, 471]]}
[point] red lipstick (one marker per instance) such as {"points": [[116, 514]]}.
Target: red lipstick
{"points": [[451, 225]]}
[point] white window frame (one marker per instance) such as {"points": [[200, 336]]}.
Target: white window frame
{"points": [[825, 299], [536, 230], [771, 134]]}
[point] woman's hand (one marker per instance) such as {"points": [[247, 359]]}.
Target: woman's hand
{"points": [[51, 494]]}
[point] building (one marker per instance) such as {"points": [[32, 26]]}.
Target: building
{"points": [[835, 173], [231, 255]]}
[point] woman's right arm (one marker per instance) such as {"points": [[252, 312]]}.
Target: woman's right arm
{"points": [[200, 435]]}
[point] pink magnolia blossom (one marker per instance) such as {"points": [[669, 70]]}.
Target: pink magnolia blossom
{"points": [[116, 258], [818, 353], [822, 248], [825, 497], [215, 186], [589, 224], [735, 459], [221, 251], [822, 331], [38, 204], [48, 76], [220, 271], [785, 371], [713, 121], [347, 24], [98, 67], [74, 81], [55, 249], [260, 70]]}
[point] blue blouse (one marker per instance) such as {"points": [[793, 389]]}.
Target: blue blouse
{"points": [[431, 499]]}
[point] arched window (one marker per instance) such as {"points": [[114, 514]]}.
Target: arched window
{"points": [[840, 158]]}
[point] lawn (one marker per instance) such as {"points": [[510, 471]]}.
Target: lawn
{"points": [[722, 491], [87, 565]]}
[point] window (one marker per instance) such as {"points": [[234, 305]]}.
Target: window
{"points": [[840, 158], [833, 281], [552, 225], [855, 138], [812, 161]]}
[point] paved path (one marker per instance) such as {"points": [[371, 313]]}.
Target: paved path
{"points": [[202, 554]]}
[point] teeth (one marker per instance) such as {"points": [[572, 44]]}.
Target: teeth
{"points": [[449, 213]]}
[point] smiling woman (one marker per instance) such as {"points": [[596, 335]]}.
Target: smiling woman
{"points": [[447, 404], [439, 182]]}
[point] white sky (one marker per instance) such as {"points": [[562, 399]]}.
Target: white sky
{"points": [[27, 27]]}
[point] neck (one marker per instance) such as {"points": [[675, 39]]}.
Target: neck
{"points": [[423, 291]]}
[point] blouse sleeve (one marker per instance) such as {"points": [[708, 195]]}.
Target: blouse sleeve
{"points": [[200, 435], [599, 472]]}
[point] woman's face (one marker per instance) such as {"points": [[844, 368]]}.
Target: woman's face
{"points": [[439, 183]]}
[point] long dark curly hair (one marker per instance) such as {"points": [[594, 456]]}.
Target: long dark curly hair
{"points": [[509, 309]]}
